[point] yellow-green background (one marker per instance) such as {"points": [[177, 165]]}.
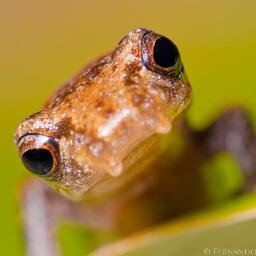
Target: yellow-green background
{"points": [[43, 42]]}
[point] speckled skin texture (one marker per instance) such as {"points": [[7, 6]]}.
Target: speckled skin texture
{"points": [[105, 118], [108, 130]]}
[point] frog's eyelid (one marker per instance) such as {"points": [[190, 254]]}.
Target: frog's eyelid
{"points": [[53, 140]]}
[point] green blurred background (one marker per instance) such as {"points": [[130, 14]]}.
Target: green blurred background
{"points": [[44, 42]]}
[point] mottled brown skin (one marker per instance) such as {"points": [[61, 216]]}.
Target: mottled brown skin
{"points": [[103, 113], [111, 123]]}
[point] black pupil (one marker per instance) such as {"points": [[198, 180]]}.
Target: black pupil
{"points": [[38, 161], [165, 52]]}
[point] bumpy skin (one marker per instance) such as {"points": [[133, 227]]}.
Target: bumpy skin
{"points": [[109, 128], [105, 112]]}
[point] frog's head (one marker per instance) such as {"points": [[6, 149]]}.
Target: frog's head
{"points": [[92, 127]]}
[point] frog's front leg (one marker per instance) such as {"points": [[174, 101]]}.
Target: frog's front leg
{"points": [[232, 132], [42, 211]]}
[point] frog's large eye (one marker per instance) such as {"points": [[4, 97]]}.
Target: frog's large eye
{"points": [[38, 160], [160, 54], [39, 153], [165, 53]]}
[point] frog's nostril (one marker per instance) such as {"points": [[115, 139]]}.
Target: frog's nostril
{"points": [[38, 161]]}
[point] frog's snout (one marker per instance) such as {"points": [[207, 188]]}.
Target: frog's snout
{"points": [[39, 153]]}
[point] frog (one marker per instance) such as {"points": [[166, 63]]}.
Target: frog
{"points": [[103, 151]]}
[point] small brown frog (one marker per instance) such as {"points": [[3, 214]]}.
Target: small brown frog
{"points": [[104, 140]]}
